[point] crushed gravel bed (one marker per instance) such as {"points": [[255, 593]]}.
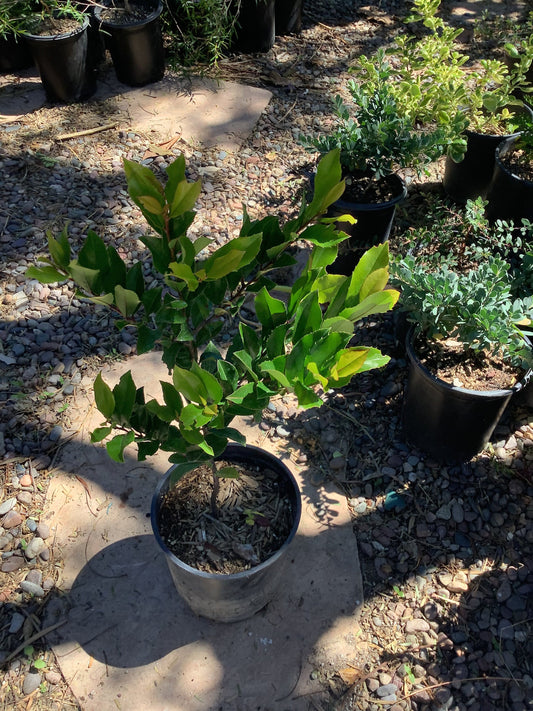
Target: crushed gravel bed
{"points": [[446, 552]]}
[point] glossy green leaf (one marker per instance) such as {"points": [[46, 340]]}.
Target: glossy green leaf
{"points": [[45, 275], [59, 248], [212, 387], [172, 398], [184, 272], [100, 433], [115, 448], [189, 385], [156, 206], [270, 311], [126, 301], [124, 394], [103, 396]]}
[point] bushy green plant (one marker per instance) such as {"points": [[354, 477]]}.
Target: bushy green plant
{"points": [[475, 307], [298, 345], [13, 15], [373, 135], [433, 86], [201, 31]]}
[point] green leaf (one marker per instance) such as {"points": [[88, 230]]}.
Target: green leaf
{"points": [[212, 387], [85, 278], [59, 248], [179, 470], [270, 312], [126, 301], [172, 398], [308, 316], [39, 664], [100, 433], [124, 394], [115, 448], [93, 254], [185, 197], [103, 396], [45, 275], [189, 385], [185, 273], [146, 339], [160, 411], [156, 206]]}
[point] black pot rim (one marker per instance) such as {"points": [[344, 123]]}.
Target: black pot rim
{"points": [[245, 573], [466, 392], [136, 24], [523, 109], [506, 146], [371, 206], [58, 38]]}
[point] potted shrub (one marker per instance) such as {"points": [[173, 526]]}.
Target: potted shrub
{"points": [[476, 108], [14, 51], [58, 38], [376, 141], [466, 350], [299, 345], [134, 39], [510, 193]]}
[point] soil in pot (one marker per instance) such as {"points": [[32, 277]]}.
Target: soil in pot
{"points": [[510, 194], [253, 518], [119, 14], [373, 204], [478, 370]]}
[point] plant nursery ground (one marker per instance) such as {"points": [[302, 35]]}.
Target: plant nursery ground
{"points": [[446, 551]]}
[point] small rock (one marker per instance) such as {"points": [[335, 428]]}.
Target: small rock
{"points": [[282, 431], [387, 690], [31, 683], [12, 564], [504, 592], [26, 480], [25, 498], [12, 519], [417, 625], [457, 583], [43, 530], [55, 433], [35, 576], [337, 463], [17, 620], [34, 547], [7, 505], [53, 677], [32, 589]]}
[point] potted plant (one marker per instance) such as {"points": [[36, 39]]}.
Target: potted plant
{"points": [[56, 32], [466, 350], [476, 108], [510, 193], [300, 344], [14, 51], [134, 39], [376, 141], [255, 25]]}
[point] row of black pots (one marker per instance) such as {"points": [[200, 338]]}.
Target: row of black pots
{"points": [[68, 63], [483, 173], [259, 22]]}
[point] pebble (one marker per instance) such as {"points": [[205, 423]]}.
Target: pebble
{"points": [[53, 677], [34, 547], [12, 564], [417, 625], [17, 620], [43, 530], [32, 588], [31, 683], [7, 505], [12, 519]]}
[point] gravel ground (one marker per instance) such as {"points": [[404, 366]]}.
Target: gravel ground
{"points": [[447, 552]]}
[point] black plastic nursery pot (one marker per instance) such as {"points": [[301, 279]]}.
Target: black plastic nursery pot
{"points": [[288, 16], [255, 25], [471, 178], [15, 53], [136, 46], [62, 63], [236, 596], [509, 196], [373, 225], [451, 424]]}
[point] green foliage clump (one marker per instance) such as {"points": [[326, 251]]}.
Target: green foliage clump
{"points": [[201, 31], [299, 344], [433, 86], [374, 135]]}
